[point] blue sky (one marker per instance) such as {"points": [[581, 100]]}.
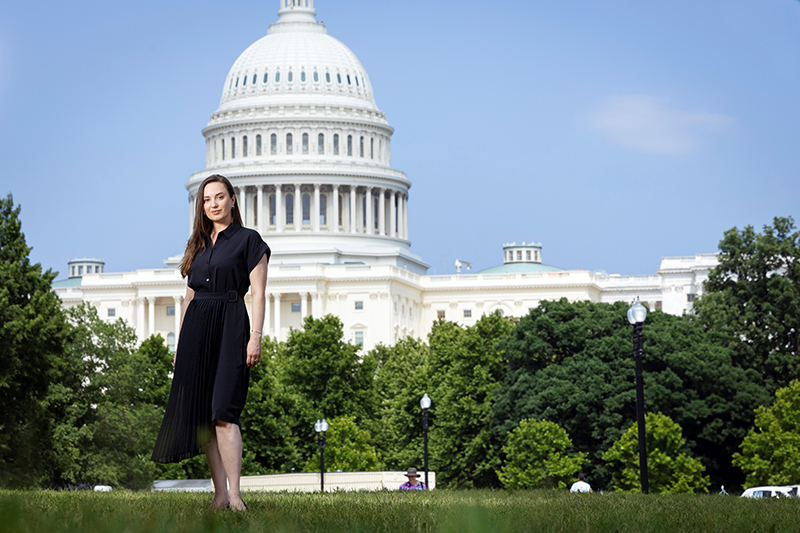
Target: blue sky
{"points": [[612, 132]]}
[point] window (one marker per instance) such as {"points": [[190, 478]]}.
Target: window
{"points": [[328, 77], [290, 208], [316, 76], [690, 297], [223, 149], [258, 144], [73, 271], [303, 76], [290, 77], [519, 255], [97, 270], [305, 143], [112, 312], [359, 338], [323, 209], [237, 82], [296, 307], [171, 342], [348, 80], [244, 81], [254, 79], [273, 144], [289, 143], [361, 147], [278, 77], [359, 305], [372, 148], [266, 77], [335, 144], [272, 214], [440, 314], [321, 143], [230, 85], [80, 271], [528, 255], [306, 209], [339, 78], [356, 77], [467, 313], [233, 147], [349, 145], [244, 146], [340, 210], [171, 310]]}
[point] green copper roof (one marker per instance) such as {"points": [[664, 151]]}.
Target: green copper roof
{"points": [[520, 268], [69, 282]]}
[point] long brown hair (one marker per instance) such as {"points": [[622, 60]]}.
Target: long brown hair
{"points": [[202, 226]]}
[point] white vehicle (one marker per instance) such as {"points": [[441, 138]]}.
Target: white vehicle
{"points": [[770, 492]]}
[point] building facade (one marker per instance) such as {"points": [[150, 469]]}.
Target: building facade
{"points": [[300, 137]]}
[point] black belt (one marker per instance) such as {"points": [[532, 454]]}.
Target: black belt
{"points": [[230, 296]]}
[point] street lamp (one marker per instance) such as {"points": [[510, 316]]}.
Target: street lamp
{"points": [[636, 315], [321, 427], [425, 403]]}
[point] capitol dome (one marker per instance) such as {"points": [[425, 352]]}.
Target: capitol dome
{"points": [[298, 134]]}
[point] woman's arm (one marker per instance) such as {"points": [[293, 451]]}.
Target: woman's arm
{"points": [[258, 286]]}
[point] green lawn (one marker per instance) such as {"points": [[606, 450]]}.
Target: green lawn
{"points": [[445, 511]]}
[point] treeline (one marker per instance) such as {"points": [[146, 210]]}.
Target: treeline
{"points": [[516, 402]]}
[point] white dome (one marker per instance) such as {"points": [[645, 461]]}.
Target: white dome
{"points": [[297, 61]]}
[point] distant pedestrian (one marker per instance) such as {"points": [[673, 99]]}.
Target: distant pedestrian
{"points": [[581, 485], [413, 482]]}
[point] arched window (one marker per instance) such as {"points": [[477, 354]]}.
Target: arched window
{"points": [[290, 208], [361, 147], [290, 77], [244, 146], [278, 77], [266, 77], [321, 143], [335, 144], [316, 76], [230, 85], [223, 149], [339, 78], [305, 143], [323, 209], [356, 77], [171, 341], [254, 79], [237, 82], [273, 144], [348, 80], [328, 77], [258, 144], [349, 145], [306, 209], [289, 146], [233, 147], [244, 80], [372, 148], [273, 218], [303, 76]]}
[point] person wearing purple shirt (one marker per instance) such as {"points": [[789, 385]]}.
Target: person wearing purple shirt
{"points": [[413, 482]]}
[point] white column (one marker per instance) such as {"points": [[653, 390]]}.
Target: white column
{"points": [[370, 212], [298, 208], [279, 216], [316, 301], [405, 217], [381, 212], [262, 213], [277, 297], [353, 209], [335, 200], [178, 311], [267, 329], [140, 319], [303, 305], [393, 214], [151, 316], [315, 210]]}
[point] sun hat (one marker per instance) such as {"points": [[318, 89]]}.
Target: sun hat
{"points": [[412, 472]]}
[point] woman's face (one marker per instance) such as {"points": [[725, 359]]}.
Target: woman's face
{"points": [[217, 203]]}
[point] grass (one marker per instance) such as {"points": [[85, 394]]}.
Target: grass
{"points": [[437, 511]]}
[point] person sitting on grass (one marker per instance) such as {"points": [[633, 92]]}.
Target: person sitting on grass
{"points": [[581, 485], [413, 482]]}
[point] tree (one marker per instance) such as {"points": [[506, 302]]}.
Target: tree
{"points": [[536, 457], [33, 331], [669, 467], [771, 451], [466, 370], [571, 363], [753, 300], [348, 448]]}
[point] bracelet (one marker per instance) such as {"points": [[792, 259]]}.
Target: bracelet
{"points": [[256, 331]]}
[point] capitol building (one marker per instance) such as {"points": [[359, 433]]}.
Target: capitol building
{"points": [[300, 137]]}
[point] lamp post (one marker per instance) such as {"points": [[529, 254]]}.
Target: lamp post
{"points": [[425, 403], [636, 315], [321, 427]]}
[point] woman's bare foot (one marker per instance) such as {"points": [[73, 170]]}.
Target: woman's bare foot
{"points": [[216, 505], [237, 504]]}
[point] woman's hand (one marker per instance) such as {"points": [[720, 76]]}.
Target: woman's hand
{"points": [[254, 350]]}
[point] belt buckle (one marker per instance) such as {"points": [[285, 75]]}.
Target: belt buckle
{"points": [[232, 296]]}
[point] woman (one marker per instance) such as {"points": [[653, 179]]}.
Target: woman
{"points": [[217, 346]]}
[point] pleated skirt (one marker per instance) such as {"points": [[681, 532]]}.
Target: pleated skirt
{"points": [[211, 376]]}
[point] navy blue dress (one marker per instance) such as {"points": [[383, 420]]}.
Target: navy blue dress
{"points": [[211, 374]]}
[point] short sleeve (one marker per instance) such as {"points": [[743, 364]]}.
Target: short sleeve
{"points": [[256, 248]]}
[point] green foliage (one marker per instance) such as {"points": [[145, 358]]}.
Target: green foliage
{"points": [[347, 448], [33, 330], [536, 457], [466, 370], [669, 468], [571, 363], [753, 300], [771, 451]]}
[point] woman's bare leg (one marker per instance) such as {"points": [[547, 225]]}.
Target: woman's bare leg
{"points": [[229, 443], [217, 474]]}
